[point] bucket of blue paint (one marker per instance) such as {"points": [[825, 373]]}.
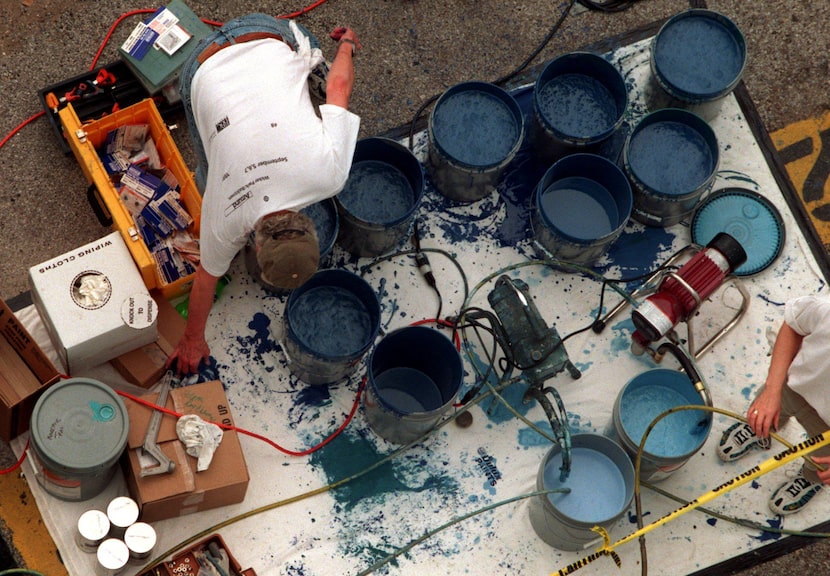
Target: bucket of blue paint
{"points": [[676, 438], [326, 224], [579, 101], [475, 130], [601, 483], [79, 430], [380, 198], [697, 57], [671, 157], [331, 322], [414, 376], [582, 204]]}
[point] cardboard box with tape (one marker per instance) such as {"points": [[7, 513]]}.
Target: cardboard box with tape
{"points": [[184, 490], [25, 372]]}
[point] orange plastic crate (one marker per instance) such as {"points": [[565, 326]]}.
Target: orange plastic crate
{"points": [[84, 139]]}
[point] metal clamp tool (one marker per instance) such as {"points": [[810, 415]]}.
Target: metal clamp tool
{"points": [[150, 446]]}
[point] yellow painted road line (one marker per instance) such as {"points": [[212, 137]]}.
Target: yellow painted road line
{"points": [[804, 148], [27, 532]]}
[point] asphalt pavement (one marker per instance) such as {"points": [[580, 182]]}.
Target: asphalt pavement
{"points": [[412, 50]]}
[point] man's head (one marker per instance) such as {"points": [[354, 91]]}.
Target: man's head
{"points": [[286, 248]]}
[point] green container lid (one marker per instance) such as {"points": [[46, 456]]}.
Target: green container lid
{"points": [[79, 428]]}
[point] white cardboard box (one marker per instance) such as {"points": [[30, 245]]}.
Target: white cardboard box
{"points": [[94, 303]]}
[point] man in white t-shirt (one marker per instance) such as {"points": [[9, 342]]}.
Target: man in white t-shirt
{"points": [[264, 153], [796, 386]]}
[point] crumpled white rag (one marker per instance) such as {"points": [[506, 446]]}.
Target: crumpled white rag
{"points": [[200, 438], [311, 56]]}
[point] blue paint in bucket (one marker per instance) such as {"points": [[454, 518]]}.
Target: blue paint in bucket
{"points": [[414, 375], [698, 56], [582, 204], [676, 437], [474, 131], [579, 101], [671, 157], [380, 198], [330, 323], [326, 224], [601, 486]]}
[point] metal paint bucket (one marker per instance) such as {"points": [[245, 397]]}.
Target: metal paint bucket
{"points": [[331, 321], [602, 487], [78, 431], [671, 158], [582, 204], [475, 129], [676, 438], [697, 57], [579, 101], [326, 224], [378, 203], [414, 376]]}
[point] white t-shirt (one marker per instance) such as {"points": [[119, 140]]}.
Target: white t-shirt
{"points": [[266, 147], [809, 374]]}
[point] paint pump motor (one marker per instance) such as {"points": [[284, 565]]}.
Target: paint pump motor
{"points": [[533, 347], [675, 293]]}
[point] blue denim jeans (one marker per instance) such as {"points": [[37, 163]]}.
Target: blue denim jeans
{"points": [[226, 35]]}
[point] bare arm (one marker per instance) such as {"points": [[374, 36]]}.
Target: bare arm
{"points": [[340, 81], [193, 348], [765, 410]]}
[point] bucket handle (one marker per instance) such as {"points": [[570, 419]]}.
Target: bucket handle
{"points": [[689, 368], [284, 351]]}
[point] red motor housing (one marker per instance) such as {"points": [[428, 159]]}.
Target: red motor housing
{"points": [[681, 292]]}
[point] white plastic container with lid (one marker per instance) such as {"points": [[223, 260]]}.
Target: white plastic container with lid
{"points": [[140, 539], [122, 513], [112, 557], [93, 528]]}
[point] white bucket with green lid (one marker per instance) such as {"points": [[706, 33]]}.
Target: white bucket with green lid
{"points": [[78, 432]]}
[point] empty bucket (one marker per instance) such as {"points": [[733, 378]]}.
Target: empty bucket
{"points": [[378, 203], [475, 129], [582, 204], [324, 215], [697, 57], [414, 376], [579, 100], [671, 157], [330, 323], [676, 438], [79, 430], [601, 484]]}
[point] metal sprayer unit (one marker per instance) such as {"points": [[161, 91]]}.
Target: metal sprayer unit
{"points": [[533, 347]]}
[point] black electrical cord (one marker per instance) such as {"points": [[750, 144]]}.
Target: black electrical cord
{"points": [[609, 5], [426, 270]]}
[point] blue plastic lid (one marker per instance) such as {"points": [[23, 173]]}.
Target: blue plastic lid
{"points": [[746, 216]]}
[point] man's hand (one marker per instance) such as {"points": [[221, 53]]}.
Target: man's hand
{"points": [[188, 355], [824, 462], [193, 348], [346, 34]]}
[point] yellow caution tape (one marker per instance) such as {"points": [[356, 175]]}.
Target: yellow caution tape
{"points": [[797, 451]]}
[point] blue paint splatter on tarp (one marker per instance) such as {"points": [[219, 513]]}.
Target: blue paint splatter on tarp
{"points": [[260, 343], [349, 454], [764, 536], [513, 395]]}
